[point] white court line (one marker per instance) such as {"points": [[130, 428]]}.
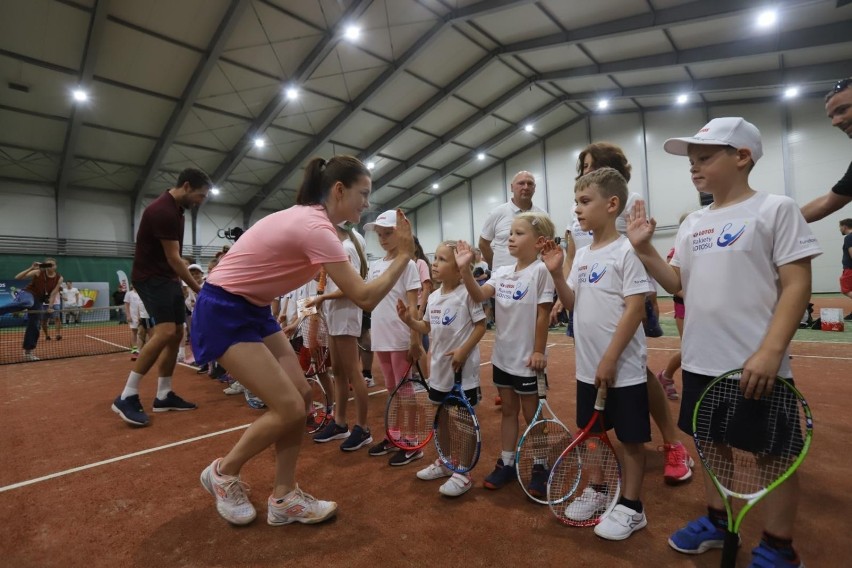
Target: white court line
{"points": [[124, 347], [134, 454]]}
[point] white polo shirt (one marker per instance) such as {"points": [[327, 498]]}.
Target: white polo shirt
{"points": [[496, 229]]}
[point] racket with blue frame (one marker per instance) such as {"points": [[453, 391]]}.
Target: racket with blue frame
{"points": [[456, 430]]}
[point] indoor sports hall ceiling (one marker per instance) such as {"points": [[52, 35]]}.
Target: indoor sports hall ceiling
{"points": [[428, 92]]}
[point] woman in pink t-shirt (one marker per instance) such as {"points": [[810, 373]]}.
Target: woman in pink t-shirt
{"points": [[232, 323]]}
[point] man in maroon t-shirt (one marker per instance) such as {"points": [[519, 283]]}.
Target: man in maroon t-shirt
{"points": [[157, 271]]}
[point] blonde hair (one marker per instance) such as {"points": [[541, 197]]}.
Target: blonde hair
{"points": [[609, 183], [540, 222]]}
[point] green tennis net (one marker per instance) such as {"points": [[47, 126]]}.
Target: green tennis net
{"points": [[82, 332]]}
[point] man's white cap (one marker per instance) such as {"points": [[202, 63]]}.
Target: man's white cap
{"points": [[728, 131], [386, 219], [194, 267]]}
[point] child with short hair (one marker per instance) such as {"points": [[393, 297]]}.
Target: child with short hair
{"points": [[606, 288], [455, 324], [745, 258], [524, 296]]}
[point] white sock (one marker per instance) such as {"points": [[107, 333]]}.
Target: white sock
{"points": [[181, 353], [132, 386], [164, 386], [508, 458]]}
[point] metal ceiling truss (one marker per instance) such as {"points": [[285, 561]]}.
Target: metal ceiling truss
{"points": [[72, 133], [660, 19], [183, 108], [263, 120], [474, 10]]}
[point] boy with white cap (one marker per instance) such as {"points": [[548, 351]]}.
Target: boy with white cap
{"points": [[749, 237]]}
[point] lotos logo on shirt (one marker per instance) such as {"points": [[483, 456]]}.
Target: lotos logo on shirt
{"points": [[521, 293], [727, 239], [594, 277], [448, 319]]}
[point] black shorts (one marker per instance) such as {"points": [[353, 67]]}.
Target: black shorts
{"points": [[143, 323], [163, 300], [366, 321], [747, 425], [521, 385], [437, 397], [626, 411]]}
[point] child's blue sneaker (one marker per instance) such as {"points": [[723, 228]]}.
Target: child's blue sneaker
{"points": [[253, 400], [698, 537], [764, 556]]}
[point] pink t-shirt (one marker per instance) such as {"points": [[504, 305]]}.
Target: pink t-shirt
{"points": [[278, 254], [425, 274]]}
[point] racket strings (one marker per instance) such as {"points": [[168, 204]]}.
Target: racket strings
{"points": [[585, 483], [541, 446], [407, 418], [457, 436], [748, 444]]}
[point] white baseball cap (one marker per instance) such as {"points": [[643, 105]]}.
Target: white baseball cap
{"points": [[386, 219], [194, 267], [728, 131]]}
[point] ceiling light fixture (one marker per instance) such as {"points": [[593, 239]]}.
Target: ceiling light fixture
{"points": [[480, 156], [292, 93], [352, 33], [682, 98], [528, 127], [80, 95], [791, 92], [259, 142], [214, 190], [435, 186], [602, 104], [371, 165], [767, 18]]}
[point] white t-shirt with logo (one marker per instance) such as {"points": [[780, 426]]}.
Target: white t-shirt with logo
{"points": [[342, 315], [728, 260], [601, 280], [517, 296], [584, 238], [388, 332], [451, 317], [70, 297], [301, 293], [137, 308], [496, 229]]}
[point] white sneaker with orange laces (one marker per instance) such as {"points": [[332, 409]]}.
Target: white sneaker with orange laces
{"points": [[231, 495], [299, 507]]}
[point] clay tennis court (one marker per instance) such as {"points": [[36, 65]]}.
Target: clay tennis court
{"points": [[136, 501]]}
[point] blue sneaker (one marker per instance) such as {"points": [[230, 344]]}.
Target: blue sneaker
{"points": [[130, 410], [332, 431], [501, 475], [254, 401], [172, 402], [538, 481], [357, 439], [698, 537], [764, 556]]}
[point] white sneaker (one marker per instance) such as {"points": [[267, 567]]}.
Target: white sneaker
{"points": [[584, 507], [370, 382], [28, 356], [234, 388], [434, 470], [231, 495], [620, 523], [298, 506], [456, 485]]}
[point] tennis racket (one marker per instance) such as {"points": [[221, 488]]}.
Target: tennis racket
{"points": [[456, 430], [318, 415], [407, 423], [585, 482], [313, 329], [540, 445], [749, 447]]}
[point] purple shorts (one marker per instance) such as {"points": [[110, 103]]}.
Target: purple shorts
{"points": [[221, 319]]}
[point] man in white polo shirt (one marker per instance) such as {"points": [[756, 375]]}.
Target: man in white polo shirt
{"points": [[494, 237]]}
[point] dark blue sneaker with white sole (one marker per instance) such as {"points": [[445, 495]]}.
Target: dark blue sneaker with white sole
{"points": [[538, 481], [331, 431], [698, 536], [172, 402], [357, 439], [502, 475], [130, 410]]}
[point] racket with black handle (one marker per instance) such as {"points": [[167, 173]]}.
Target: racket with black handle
{"points": [[407, 416], [456, 430], [539, 446], [749, 446], [585, 482]]}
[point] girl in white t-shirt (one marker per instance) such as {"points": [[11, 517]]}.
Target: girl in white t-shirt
{"points": [[455, 324], [524, 296], [394, 344], [344, 329]]}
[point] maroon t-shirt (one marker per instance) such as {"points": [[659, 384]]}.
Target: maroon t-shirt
{"points": [[162, 219]]}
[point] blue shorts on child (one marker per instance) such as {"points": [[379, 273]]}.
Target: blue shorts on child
{"points": [[221, 319]]}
